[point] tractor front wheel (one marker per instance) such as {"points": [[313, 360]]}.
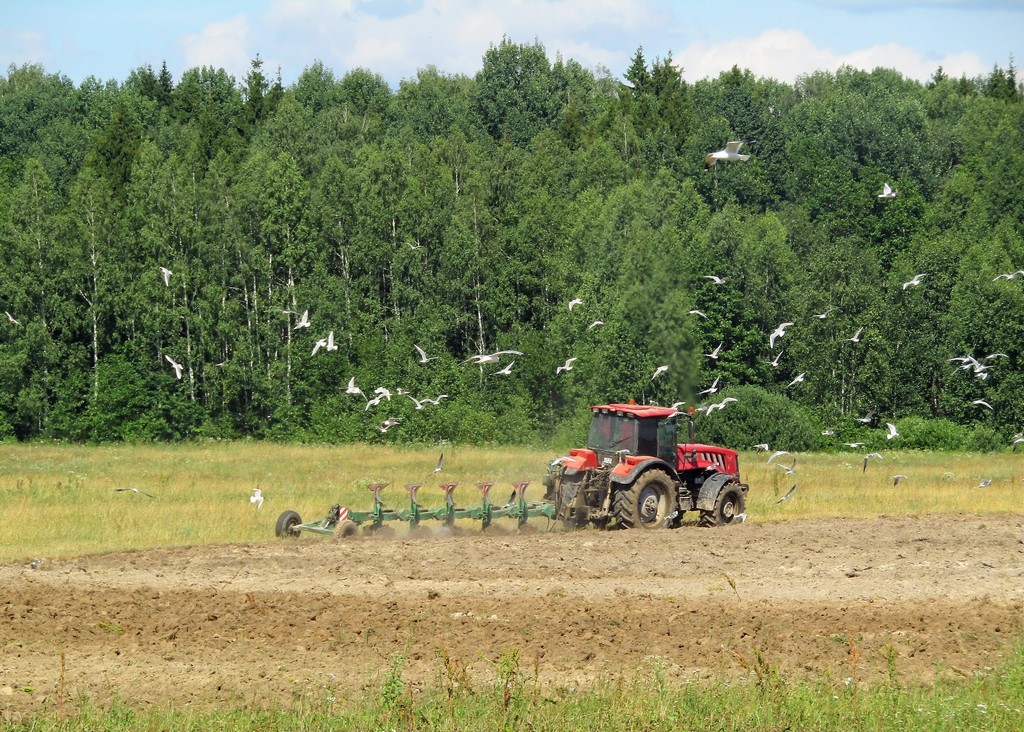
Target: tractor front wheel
{"points": [[647, 504], [729, 507], [286, 524]]}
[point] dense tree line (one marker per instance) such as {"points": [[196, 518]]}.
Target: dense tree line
{"points": [[152, 229]]}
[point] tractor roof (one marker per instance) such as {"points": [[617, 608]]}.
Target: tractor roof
{"points": [[637, 410]]}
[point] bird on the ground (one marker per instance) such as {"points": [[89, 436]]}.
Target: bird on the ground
{"points": [[856, 336], [505, 371], [887, 191], [11, 319], [710, 390], [796, 380], [730, 153], [595, 324], [166, 273], [985, 483], [868, 457], [574, 302], [388, 424], [303, 321], [174, 365], [982, 403], [774, 363], [714, 353], [898, 477], [36, 563], [256, 497], [481, 358], [699, 313], [658, 372], [716, 279], [776, 454], [789, 494], [353, 389], [777, 333], [134, 490], [892, 431], [567, 366], [916, 280], [423, 354]]}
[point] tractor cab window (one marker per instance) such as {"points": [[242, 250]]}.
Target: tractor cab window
{"points": [[612, 433], [647, 444], [667, 440]]}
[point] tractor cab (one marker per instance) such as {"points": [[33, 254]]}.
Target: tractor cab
{"points": [[618, 430]]}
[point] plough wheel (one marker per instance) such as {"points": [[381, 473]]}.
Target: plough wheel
{"points": [[286, 524], [345, 529]]}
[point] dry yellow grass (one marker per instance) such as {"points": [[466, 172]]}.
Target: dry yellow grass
{"points": [[60, 500]]}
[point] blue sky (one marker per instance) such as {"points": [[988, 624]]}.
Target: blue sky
{"points": [[782, 40]]}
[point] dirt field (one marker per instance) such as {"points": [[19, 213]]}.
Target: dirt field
{"points": [[316, 619]]}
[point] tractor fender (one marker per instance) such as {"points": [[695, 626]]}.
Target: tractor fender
{"points": [[625, 473], [710, 489]]}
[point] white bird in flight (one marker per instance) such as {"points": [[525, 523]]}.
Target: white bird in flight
{"points": [[353, 389], [714, 353], [659, 371], [574, 302], [595, 324], [388, 424], [856, 336], [796, 380], [775, 361], [698, 312], [166, 275], [716, 279], [982, 403], [175, 365], [325, 343], [567, 366], [256, 497], [822, 316], [892, 431], [11, 319], [506, 371], [915, 281], [134, 490], [868, 457], [897, 478], [777, 333], [887, 191], [481, 358], [731, 153], [777, 453], [303, 321], [789, 494], [710, 390], [423, 354]]}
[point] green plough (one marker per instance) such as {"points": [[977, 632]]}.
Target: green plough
{"points": [[342, 522]]}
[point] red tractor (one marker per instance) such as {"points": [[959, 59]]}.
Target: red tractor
{"points": [[634, 472]]}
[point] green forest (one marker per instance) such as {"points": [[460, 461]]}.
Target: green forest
{"points": [[330, 261]]}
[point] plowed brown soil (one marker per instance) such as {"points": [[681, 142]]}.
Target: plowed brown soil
{"points": [[316, 619]]}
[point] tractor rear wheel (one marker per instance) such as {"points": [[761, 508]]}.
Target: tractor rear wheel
{"points": [[647, 504], [286, 524], [729, 506]]}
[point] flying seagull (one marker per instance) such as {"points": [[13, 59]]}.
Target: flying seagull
{"points": [[440, 460], [567, 366], [506, 371], [775, 361], [796, 380], [887, 191], [388, 424], [698, 312], [777, 453], [11, 319], [856, 336], [481, 358], [716, 279], [423, 354], [982, 403], [166, 275], [868, 457], [731, 153], [353, 389], [660, 370], [256, 497], [325, 343], [789, 494], [915, 281], [710, 390], [897, 478], [789, 469], [714, 353], [866, 419], [822, 316], [595, 324], [777, 333], [574, 302], [892, 431], [303, 321], [174, 365], [134, 490]]}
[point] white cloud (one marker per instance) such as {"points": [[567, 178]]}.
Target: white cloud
{"points": [[786, 54], [226, 45]]}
